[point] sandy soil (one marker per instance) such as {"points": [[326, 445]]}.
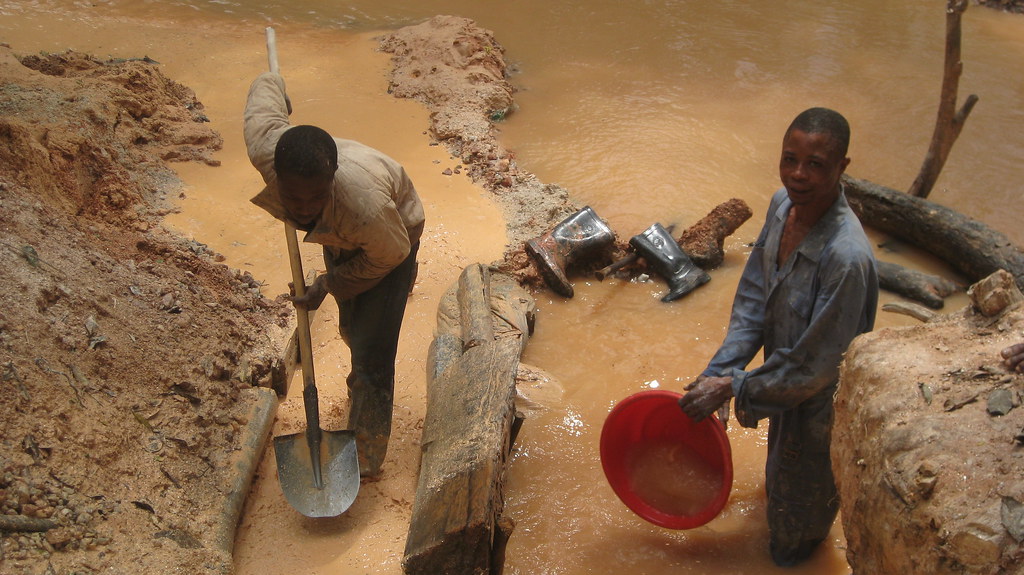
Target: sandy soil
{"points": [[129, 354]]}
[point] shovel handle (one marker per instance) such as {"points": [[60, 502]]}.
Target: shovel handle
{"points": [[295, 259], [272, 50], [302, 315]]}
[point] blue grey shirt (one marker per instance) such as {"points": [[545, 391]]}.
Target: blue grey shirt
{"points": [[804, 313]]}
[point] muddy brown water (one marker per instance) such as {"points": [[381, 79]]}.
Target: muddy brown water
{"points": [[647, 111]]}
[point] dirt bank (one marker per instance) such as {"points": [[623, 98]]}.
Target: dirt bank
{"points": [[927, 448], [128, 354]]}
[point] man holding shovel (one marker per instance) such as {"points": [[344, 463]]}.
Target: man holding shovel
{"points": [[360, 205], [809, 287]]}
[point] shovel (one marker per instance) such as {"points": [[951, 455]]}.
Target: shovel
{"points": [[320, 474]]}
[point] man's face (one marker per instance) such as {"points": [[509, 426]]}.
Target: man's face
{"points": [[810, 168], [304, 198]]}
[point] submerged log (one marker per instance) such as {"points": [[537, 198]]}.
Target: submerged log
{"points": [[967, 245], [457, 525], [911, 284]]}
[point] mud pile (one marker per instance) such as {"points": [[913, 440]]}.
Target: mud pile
{"points": [[928, 448], [127, 354]]}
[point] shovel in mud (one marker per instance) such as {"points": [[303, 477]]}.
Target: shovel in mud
{"points": [[318, 470]]}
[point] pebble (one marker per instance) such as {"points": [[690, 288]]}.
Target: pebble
{"points": [[1000, 402]]}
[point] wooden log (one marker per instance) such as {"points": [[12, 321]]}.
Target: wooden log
{"points": [[457, 525], [994, 294], [704, 241], [967, 245], [949, 122], [458, 501], [911, 284], [505, 528], [913, 310], [474, 297]]}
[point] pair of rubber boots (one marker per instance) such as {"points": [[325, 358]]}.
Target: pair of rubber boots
{"points": [[659, 248], [583, 234]]}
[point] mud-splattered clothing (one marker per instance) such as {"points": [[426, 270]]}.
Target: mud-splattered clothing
{"points": [[374, 215], [804, 313]]}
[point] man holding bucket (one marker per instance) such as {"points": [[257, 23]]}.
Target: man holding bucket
{"points": [[808, 288], [360, 205]]}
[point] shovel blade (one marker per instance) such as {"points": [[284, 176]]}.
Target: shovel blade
{"points": [[339, 467]]}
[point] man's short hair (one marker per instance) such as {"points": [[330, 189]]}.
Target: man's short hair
{"points": [[306, 151], [824, 121]]}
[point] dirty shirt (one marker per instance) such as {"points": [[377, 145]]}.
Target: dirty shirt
{"points": [[374, 215], [804, 313]]}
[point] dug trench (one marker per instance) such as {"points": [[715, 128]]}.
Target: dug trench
{"points": [[135, 365]]}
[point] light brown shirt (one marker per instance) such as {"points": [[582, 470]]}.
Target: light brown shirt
{"points": [[374, 215]]}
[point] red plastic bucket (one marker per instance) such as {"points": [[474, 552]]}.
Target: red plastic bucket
{"points": [[667, 469]]}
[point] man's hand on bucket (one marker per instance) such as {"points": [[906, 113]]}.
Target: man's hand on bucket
{"points": [[705, 395]]}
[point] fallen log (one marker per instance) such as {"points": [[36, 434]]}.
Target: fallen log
{"points": [[967, 245], [911, 284], [457, 525], [918, 312]]}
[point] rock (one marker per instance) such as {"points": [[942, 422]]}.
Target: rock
{"points": [[977, 545], [1000, 402], [995, 293], [1012, 514], [922, 484]]}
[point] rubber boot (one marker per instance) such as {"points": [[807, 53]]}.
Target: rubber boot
{"points": [[370, 418], [578, 236], [657, 246]]}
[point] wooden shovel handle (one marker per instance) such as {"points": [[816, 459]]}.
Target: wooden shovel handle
{"points": [[295, 259], [272, 50]]}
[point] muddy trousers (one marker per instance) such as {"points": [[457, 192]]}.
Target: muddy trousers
{"points": [[802, 497], [370, 324]]}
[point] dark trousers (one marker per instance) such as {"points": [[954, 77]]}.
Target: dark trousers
{"points": [[370, 324], [802, 497]]}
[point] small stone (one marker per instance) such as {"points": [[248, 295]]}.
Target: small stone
{"points": [[995, 293], [1012, 514], [975, 545], [1000, 402]]}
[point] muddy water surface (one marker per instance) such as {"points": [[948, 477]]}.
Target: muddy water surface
{"points": [[648, 111]]}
